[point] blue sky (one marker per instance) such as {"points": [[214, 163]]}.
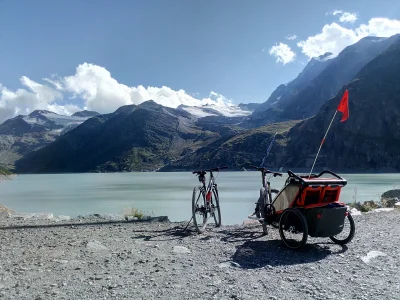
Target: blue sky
{"points": [[198, 46]]}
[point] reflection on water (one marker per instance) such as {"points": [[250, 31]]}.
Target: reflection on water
{"points": [[161, 193]]}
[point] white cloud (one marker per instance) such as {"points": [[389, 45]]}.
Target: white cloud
{"points": [[345, 17], [348, 17], [334, 37], [98, 90], [283, 53], [23, 101], [291, 37]]}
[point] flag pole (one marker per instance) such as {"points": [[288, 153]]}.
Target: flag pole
{"points": [[322, 142]]}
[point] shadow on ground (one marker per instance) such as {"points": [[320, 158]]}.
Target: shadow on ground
{"points": [[259, 254]]}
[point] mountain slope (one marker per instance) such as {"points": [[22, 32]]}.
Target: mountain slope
{"points": [[239, 151], [23, 134], [143, 137], [308, 98], [368, 141], [370, 138]]}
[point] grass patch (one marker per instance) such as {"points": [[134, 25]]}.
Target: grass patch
{"points": [[133, 212]]}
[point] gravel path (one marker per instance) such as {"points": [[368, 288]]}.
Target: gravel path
{"points": [[155, 260]]}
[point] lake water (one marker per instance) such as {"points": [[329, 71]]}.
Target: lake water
{"points": [[158, 193]]}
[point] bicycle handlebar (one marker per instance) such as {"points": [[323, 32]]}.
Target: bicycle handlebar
{"points": [[210, 170], [266, 171]]}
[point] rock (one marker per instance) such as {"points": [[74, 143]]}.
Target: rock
{"points": [[386, 202], [64, 218], [181, 250], [355, 212], [370, 204], [391, 194], [372, 254], [4, 209], [43, 216], [250, 222], [96, 246], [228, 264], [159, 219], [381, 210]]}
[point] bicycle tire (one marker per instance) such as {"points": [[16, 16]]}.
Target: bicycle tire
{"points": [[262, 204], [216, 208], [198, 196], [351, 234]]}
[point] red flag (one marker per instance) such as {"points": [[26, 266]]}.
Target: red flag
{"points": [[344, 106]]}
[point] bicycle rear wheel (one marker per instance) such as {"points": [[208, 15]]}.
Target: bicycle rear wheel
{"points": [[199, 209], [216, 208]]}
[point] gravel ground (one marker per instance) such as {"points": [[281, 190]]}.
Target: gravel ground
{"points": [[85, 259]]}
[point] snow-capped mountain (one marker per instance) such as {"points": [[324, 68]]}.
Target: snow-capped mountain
{"points": [[41, 121]]}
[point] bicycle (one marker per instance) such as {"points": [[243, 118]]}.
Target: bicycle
{"points": [[205, 200], [264, 210]]}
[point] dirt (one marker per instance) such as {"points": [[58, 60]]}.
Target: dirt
{"points": [[100, 259]]}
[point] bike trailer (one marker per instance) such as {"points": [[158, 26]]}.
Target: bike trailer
{"points": [[317, 198]]}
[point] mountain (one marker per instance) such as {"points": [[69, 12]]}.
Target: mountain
{"points": [[284, 93], [321, 80], [133, 138], [150, 137], [369, 140], [41, 121], [23, 134]]}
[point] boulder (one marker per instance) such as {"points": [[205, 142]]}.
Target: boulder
{"points": [[386, 202], [391, 194], [371, 204]]}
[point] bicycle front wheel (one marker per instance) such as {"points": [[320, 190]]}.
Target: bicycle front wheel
{"points": [[263, 202], [199, 209], [216, 208]]}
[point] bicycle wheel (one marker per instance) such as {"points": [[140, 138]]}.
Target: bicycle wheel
{"points": [[293, 228], [263, 202], [216, 210], [347, 234], [199, 209]]}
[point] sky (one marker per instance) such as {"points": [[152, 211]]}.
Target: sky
{"points": [[71, 55]]}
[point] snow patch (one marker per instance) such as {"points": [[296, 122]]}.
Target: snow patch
{"points": [[208, 109]]}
